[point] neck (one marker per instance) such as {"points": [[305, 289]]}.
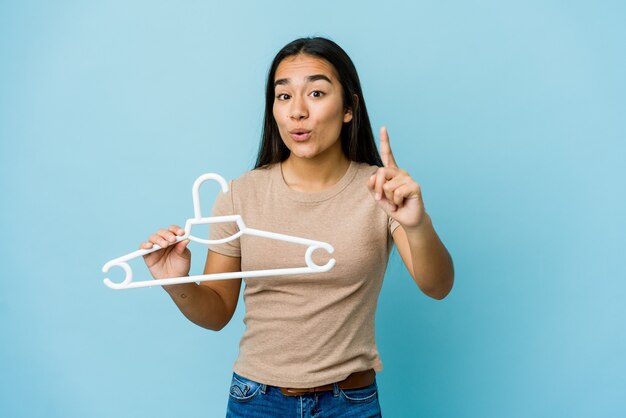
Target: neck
{"points": [[314, 174]]}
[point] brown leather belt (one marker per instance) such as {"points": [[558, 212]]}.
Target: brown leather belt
{"points": [[354, 381]]}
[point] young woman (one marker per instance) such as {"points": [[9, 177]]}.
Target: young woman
{"points": [[309, 347]]}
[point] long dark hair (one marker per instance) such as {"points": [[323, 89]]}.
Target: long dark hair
{"points": [[357, 140]]}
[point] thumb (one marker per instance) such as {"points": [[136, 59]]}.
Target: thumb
{"points": [[181, 246]]}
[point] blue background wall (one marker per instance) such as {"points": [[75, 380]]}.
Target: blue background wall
{"points": [[511, 115]]}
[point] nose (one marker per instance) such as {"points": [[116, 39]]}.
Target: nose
{"points": [[298, 110]]}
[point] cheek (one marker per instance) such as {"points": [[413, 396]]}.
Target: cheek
{"points": [[331, 113], [333, 118], [277, 118]]}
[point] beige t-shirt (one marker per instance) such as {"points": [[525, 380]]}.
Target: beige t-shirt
{"points": [[311, 329]]}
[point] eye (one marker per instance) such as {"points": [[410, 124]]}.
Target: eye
{"points": [[317, 93], [282, 96]]}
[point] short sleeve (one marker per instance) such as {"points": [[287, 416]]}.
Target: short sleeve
{"points": [[224, 206], [392, 224]]}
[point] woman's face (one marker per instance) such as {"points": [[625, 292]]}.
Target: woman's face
{"points": [[308, 106]]}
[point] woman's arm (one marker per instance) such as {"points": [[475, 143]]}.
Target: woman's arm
{"points": [[210, 304], [422, 251], [426, 258]]}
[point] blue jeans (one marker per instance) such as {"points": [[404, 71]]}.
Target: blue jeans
{"points": [[255, 400]]}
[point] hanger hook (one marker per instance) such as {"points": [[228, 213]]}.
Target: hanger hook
{"points": [[197, 211], [124, 265], [309, 261]]}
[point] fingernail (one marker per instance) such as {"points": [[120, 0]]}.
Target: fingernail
{"points": [[377, 196]]}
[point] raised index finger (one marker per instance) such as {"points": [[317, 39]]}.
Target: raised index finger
{"points": [[385, 149]]}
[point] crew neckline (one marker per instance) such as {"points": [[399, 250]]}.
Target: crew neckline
{"points": [[313, 197]]}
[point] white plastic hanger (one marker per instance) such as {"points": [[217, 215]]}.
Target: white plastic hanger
{"points": [[198, 219]]}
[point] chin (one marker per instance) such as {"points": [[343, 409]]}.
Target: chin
{"points": [[304, 152], [307, 156]]}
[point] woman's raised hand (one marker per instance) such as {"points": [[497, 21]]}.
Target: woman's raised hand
{"points": [[173, 259], [394, 189]]}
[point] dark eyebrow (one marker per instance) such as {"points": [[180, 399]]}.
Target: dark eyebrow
{"points": [[311, 78], [316, 77]]}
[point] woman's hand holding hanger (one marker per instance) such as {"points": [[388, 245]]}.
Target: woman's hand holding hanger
{"points": [[173, 260], [208, 304], [394, 189]]}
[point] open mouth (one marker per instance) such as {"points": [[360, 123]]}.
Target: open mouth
{"points": [[300, 135]]}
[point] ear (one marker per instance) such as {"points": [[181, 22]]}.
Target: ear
{"points": [[347, 116]]}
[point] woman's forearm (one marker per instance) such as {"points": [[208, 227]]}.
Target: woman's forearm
{"points": [[432, 267], [200, 304]]}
